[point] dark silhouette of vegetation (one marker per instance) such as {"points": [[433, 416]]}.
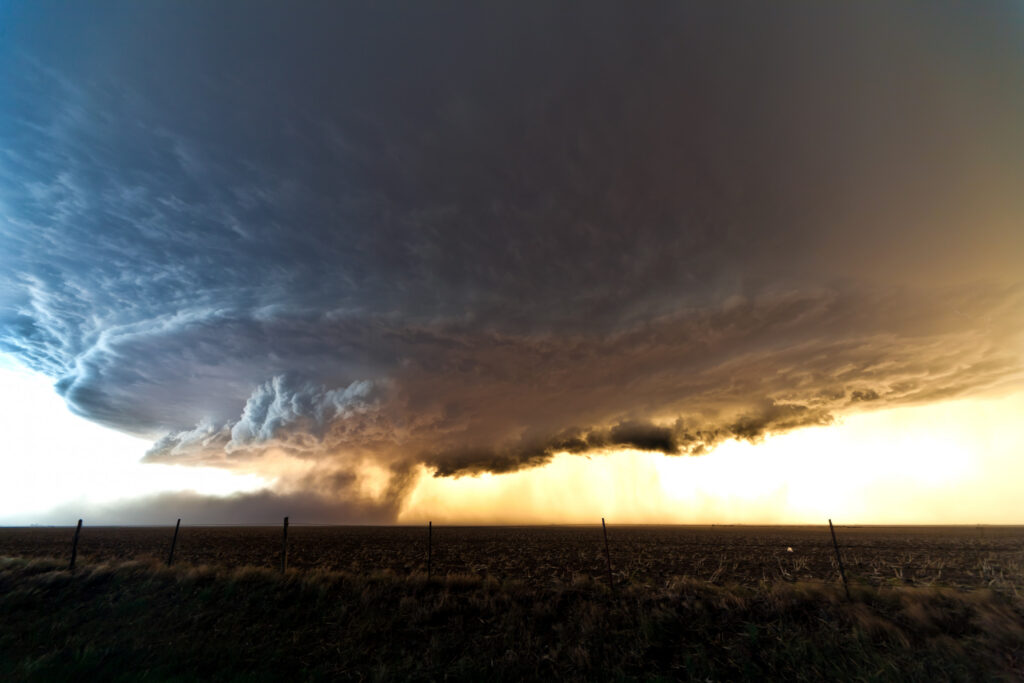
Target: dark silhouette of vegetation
{"points": [[144, 620]]}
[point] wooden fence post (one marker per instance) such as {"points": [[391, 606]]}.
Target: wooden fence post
{"points": [[174, 542], [607, 555], [74, 546], [430, 545], [842, 572], [284, 547]]}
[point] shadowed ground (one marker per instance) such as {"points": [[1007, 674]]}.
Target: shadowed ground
{"points": [[965, 556], [141, 620]]}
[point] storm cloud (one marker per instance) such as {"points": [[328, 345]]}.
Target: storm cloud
{"points": [[472, 237]]}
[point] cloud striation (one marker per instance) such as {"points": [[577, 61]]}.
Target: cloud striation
{"points": [[471, 238]]}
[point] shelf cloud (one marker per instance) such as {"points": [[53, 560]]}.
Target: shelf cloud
{"points": [[471, 238]]}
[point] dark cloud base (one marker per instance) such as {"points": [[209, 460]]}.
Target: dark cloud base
{"points": [[470, 238], [462, 402], [633, 435]]}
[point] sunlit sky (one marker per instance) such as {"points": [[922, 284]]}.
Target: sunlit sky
{"points": [[53, 458], [948, 463], [511, 262], [955, 462]]}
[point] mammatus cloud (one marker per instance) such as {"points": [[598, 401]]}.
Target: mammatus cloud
{"points": [[472, 239]]}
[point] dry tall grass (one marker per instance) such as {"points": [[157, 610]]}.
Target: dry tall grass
{"points": [[141, 619]]}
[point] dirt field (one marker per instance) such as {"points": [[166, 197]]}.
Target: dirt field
{"points": [[964, 556]]}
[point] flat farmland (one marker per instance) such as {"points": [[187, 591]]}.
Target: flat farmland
{"points": [[964, 556]]}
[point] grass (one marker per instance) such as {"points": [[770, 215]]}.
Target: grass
{"points": [[143, 621], [935, 556]]}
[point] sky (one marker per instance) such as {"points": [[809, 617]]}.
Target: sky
{"points": [[390, 262]]}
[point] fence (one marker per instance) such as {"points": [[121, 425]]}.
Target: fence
{"points": [[621, 554]]}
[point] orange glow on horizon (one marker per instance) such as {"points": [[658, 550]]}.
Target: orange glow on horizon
{"points": [[951, 463]]}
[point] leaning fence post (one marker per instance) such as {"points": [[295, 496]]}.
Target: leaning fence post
{"points": [[74, 546], [607, 555], [842, 572], [430, 545], [174, 542], [284, 547]]}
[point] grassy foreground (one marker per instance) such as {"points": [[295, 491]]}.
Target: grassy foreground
{"points": [[142, 621]]}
